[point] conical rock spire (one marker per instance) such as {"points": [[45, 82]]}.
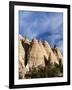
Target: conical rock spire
{"points": [[35, 56]]}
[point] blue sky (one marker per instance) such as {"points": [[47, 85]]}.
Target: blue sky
{"points": [[43, 26]]}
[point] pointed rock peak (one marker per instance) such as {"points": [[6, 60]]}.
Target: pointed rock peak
{"points": [[46, 43], [27, 40], [34, 41], [60, 56], [21, 37], [57, 49], [43, 50], [35, 56], [40, 42], [53, 58]]}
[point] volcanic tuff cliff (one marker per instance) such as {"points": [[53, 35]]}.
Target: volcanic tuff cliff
{"points": [[36, 53]]}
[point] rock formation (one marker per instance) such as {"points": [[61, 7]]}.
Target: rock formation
{"points": [[36, 53], [59, 55], [43, 50], [21, 57], [51, 56]]}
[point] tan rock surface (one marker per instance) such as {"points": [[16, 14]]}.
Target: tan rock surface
{"points": [[34, 53], [43, 50], [51, 56], [21, 57], [35, 57], [59, 55]]}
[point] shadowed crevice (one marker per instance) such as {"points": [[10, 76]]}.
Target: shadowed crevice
{"points": [[26, 48]]}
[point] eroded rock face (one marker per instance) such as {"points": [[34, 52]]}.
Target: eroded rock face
{"points": [[35, 56], [21, 57], [43, 50], [59, 55], [51, 56], [47, 47], [22, 69], [35, 53], [21, 50]]}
